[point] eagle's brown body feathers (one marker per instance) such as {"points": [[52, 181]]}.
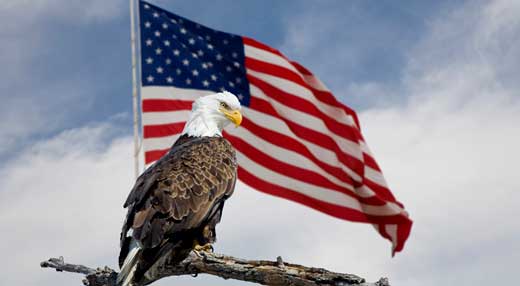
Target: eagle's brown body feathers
{"points": [[177, 202]]}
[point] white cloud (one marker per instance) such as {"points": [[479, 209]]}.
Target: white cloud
{"points": [[37, 111], [74, 11], [31, 105], [370, 94], [63, 196]]}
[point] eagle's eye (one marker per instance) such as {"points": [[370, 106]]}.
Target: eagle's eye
{"points": [[224, 105]]}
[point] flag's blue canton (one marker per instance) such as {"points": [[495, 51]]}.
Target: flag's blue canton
{"points": [[178, 52]]}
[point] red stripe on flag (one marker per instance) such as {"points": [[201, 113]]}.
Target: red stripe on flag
{"points": [[285, 73], [162, 130], [331, 209], [381, 191], [310, 135], [325, 96], [154, 155], [369, 161], [279, 191], [257, 44], [403, 231], [275, 70], [289, 143], [295, 172], [155, 105], [344, 130], [283, 168]]}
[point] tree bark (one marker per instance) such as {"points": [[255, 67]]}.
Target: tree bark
{"points": [[275, 273]]}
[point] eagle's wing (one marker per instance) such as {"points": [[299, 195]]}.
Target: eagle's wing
{"points": [[180, 190]]}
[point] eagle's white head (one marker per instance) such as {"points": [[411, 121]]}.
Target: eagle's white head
{"points": [[211, 113]]}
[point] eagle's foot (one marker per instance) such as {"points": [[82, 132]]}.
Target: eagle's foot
{"points": [[206, 248]]}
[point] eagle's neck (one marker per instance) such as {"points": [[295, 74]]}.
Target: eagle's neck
{"points": [[202, 124]]}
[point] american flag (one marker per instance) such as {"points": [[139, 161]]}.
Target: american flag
{"points": [[296, 141]]}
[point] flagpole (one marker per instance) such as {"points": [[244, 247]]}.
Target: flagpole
{"points": [[134, 89]]}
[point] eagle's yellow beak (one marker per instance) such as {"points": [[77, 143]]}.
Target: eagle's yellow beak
{"points": [[234, 116]]}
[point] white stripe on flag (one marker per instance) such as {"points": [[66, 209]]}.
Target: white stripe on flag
{"points": [[365, 192], [348, 146], [166, 117], [315, 83], [170, 92], [375, 176], [277, 125], [272, 58], [268, 57], [391, 229], [295, 89], [159, 143], [315, 192], [287, 156]]}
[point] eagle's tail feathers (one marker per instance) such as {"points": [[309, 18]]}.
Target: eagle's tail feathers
{"points": [[126, 275]]}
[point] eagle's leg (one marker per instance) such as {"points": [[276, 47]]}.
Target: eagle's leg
{"points": [[199, 249], [206, 247], [205, 240]]}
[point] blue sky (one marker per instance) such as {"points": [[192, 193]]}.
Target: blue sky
{"points": [[435, 84]]}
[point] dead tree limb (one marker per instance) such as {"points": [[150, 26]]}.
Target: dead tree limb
{"points": [[276, 273]]}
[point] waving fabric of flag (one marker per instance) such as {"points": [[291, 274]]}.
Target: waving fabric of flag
{"points": [[296, 141]]}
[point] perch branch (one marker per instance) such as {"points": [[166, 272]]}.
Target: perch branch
{"points": [[276, 273]]}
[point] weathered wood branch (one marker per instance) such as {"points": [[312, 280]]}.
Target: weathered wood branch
{"points": [[276, 273]]}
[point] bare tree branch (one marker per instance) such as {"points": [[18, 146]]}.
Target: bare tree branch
{"points": [[276, 273]]}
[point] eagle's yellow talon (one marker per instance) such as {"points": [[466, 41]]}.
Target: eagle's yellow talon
{"points": [[206, 248]]}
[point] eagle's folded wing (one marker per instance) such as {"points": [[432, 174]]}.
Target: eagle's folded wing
{"points": [[181, 190]]}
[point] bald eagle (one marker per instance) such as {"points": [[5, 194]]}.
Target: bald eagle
{"points": [[175, 204]]}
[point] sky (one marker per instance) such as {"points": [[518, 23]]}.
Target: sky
{"points": [[435, 85]]}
